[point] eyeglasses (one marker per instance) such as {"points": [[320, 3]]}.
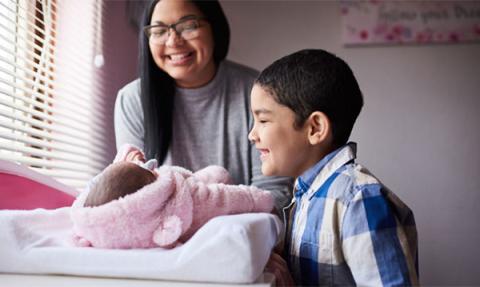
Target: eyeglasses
{"points": [[187, 28]]}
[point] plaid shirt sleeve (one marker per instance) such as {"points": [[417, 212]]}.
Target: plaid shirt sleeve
{"points": [[379, 239]]}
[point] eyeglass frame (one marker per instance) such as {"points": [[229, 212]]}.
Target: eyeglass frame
{"points": [[173, 26]]}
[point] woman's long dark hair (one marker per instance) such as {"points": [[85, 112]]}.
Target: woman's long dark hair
{"points": [[158, 88]]}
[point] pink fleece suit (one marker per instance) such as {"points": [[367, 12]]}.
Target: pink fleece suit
{"points": [[168, 211]]}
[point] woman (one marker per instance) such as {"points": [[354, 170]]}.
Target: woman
{"points": [[190, 107]]}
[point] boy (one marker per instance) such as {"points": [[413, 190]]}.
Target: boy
{"points": [[345, 227]]}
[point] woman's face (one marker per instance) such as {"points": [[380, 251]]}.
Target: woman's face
{"points": [[189, 62]]}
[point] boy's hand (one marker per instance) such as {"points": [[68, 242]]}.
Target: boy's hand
{"points": [[278, 267]]}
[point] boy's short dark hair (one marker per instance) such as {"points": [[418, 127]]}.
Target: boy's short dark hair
{"points": [[315, 80]]}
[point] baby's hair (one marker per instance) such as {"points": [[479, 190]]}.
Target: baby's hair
{"points": [[116, 181], [315, 80]]}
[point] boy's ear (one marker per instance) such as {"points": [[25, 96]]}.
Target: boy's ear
{"points": [[319, 128]]}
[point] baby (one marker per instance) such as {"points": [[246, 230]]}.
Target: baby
{"points": [[134, 204], [118, 180]]}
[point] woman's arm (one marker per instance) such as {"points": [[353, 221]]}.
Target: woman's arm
{"points": [[128, 116]]}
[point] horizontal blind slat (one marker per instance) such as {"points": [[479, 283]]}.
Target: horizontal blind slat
{"points": [[64, 174], [52, 114], [79, 66], [80, 142], [67, 148], [79, 99], [37, 152], [48, 163], [60, 126], [51, 105]]}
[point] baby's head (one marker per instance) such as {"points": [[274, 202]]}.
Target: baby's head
{"points": [[304, 106], [118, 180]]}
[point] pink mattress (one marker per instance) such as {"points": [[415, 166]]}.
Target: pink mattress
{"points": [[23, 188]]}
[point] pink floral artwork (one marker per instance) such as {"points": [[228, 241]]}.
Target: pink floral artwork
{"points": [[409, 22]]}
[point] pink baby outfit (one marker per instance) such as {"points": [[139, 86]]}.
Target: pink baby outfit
{"points": [[165, 212]]}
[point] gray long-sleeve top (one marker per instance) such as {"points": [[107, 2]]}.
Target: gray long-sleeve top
{"points": [[210, 126]]}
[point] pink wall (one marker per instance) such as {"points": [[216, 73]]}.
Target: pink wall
{"points": [[120, 48]]}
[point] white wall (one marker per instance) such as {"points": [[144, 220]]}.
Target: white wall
{"points": [[418, 130]]}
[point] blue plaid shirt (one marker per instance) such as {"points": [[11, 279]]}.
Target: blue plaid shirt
{"points": [[346, 228]]}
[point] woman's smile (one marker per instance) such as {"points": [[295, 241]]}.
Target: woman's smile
{"points": [[188, 61], [179, 58]]}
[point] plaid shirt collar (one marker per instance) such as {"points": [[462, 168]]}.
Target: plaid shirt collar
{"points": [[322, 170]]}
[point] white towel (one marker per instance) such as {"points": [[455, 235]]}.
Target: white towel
{"points": [[228, 249]]}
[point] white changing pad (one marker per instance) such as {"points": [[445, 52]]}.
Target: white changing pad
{"points": [[228, 249]]}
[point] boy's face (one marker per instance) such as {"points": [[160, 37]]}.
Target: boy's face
{"points": [[283, 149]]}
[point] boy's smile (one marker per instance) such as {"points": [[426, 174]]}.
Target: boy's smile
{"points": [[263, 153], [284, 150]]}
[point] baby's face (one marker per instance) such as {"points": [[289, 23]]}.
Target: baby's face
{"points": [[282, 147]]}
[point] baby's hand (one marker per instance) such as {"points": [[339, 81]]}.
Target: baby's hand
{"points": [[135, 156], [80, 241], [130, 153]]}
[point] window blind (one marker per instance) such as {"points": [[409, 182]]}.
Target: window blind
{"points": [[52, 112]]}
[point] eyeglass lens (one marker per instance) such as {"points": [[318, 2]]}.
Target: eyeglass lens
{"points": [[187, 29]]}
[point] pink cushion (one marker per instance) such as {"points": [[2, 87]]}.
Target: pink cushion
{"points": [[24, 188], [17, 192]]}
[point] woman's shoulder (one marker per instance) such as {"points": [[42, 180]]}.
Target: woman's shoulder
{"points": [[131, 88], [130, 92], [128, 97], [237, 70]]}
